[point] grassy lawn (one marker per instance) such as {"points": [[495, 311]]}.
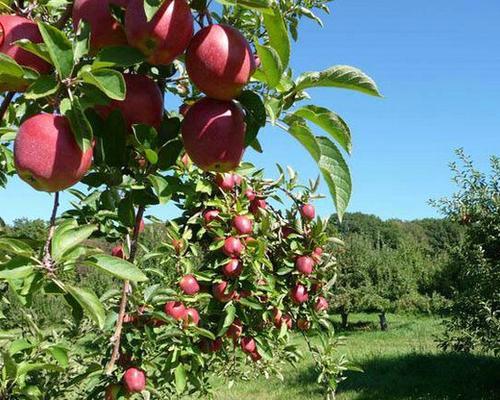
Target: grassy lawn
{"points": [[403, 363]]}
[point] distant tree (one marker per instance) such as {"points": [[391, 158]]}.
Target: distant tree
{"points": [[475, 265]]}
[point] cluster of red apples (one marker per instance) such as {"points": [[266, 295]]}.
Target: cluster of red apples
{"points": [[219, 62]]}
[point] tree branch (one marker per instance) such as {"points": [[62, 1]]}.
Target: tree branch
{"points": [[5, 104], [116, 338], [47, 260]]}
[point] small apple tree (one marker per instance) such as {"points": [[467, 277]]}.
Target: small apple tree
{"points": [[85, 83]]}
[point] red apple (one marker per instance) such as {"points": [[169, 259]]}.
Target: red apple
{"points": [[316, 255], [213, 132], [235, 330], [299, 294], [250, 194], [287, 231], [192, 317], [142, 226], [248, 345], [211, 346], [307, 211], [105, 30], [219, 291], [287, 320], [183, 109], [134, 380], [210, 215], [178, 245], [129, 319], [243, 224], [225, 181], [255, 356], [232, 269], [143, 103], [219, 61], [189, 285], [175, 309], [303, 324], [304, 265], [166, 36], [321, 304], [12, 29], [237, 179], [46, 154], [277, 314], [256, 205], [233, 247], [117, 251]]}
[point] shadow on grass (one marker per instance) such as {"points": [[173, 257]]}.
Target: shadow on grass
{"points": [[420, 376]]}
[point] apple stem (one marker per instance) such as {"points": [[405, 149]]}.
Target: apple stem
{"points": [[6, 103], [48, 263], [116, 338]]}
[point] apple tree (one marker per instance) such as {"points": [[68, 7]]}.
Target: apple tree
{"points": [[84, 85]]}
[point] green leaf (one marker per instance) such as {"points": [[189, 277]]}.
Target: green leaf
{"points": [[271, 68], [336, 174], [60, 354], [66, 241], [89, 303], [19, 345], [26, 368], [9, 365], [341, 76], [44, 86], [38, 49], [161, 188], [255, 116], [263, 6], [117, 56], [81, 44], [330, 122], [59, 48], [15, 246], [278, 35], [228, 319], [300, 131], [180, 378], [110, 82], [151, 7], [80, 125], [18, 267], [117, 267], [11, 73], [202, 332]]}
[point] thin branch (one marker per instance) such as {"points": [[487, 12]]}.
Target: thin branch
{"points": [[6, 103], [48, 262], [116, 338]]}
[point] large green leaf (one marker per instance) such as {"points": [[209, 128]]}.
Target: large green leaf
{"points": [[228, 319], [15, 246], [117, 56], [64, 242], [330, 122], [90, 304], [44, 86], [180, 378], [161, 188], [109, 81], [341, 76], [271, 68], [278, 35], [80, 125], [118, 267], [18, 267], [151, 7], [11, 73], [59, 48], [263, 6], [329, 159]]}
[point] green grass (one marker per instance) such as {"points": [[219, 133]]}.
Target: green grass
{"points": [[403, 363]]}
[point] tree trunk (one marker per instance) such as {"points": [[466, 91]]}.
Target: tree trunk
{"points": [[383, 321], [344, 317]]}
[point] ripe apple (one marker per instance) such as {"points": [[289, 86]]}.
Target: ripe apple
{"points": [[129, 319], [287, 319], [134, 380], [248, 344], [178, 245], [255, 356], [213, 132], [211, 346], [142, 226], [243, 224], [250, 194], [235, 330], [304, 265], [192, 317], [219, 291], [117, 251], [175, 309], [166, 36], [210, 215], [237, 179], [189, 285], [256, 205], [316, 255], [225, 181], [277, 314], [105, 30], [232, 247], [308, 212], [12, 29], [219, 61], [321, 304], [299, 294], [303, 324], [46, 154], [287, 231], [232, 269], [112, 392], [143, 103]]}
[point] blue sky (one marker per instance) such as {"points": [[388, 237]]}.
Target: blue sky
{"points": [[437, 64]]}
